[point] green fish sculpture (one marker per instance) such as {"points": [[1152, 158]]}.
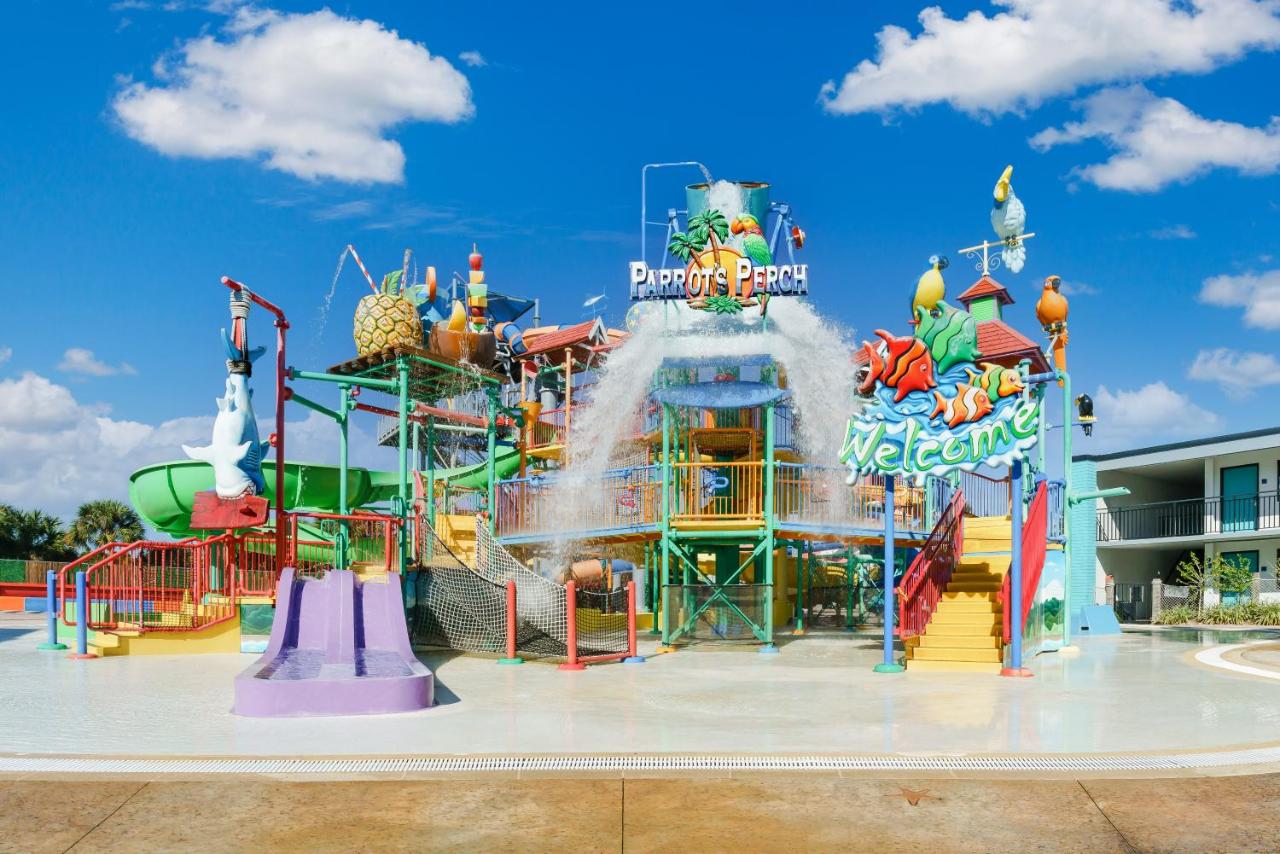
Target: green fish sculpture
{"points": [[950, 334]]}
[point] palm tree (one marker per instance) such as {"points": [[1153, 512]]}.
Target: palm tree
{"points": [[684, 247], [31, 534], [103, 521], [707, 226]]}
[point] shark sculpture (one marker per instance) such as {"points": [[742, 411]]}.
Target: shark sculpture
{"points": [[235, 451]]}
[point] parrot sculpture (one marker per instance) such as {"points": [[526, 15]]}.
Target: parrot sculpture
{"points": [[754, 246], [1009, 219], [930, 289]]}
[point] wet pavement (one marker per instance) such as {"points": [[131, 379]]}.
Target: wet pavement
{"points": [[1138, 692]]}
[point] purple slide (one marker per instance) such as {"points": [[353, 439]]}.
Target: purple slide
{"points": [[339, 646]]}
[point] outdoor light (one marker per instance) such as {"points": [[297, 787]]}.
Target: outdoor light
{"points": [[1084, 405]]}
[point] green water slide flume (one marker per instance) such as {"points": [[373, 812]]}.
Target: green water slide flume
{"points": [[162, 493]]}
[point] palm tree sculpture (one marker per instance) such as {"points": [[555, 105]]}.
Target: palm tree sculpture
{"points": [[103, 521], [707, 226]]}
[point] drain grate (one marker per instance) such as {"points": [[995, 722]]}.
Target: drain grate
{"points": [[641, 762]]}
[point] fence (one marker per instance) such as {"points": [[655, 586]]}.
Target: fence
{"points": [[1166, 597], [985, 496], [717, 491], [623, 499], [820, 495], [20, 571]]}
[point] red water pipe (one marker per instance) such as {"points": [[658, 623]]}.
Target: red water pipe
{"points": [[277, 438]]}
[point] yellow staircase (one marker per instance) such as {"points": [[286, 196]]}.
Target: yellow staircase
{"points": [[964, 634], [458, 532]]}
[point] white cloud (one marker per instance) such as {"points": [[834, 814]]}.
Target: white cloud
{"points": [[1257, 293], [1036, 49], [56, 452], [1154, 411], [78, 360], [6, 353], [1240, 374], [1079, 289], [1172, 232], [343, 210], [314, 94], [1158, 141], [474, 58]]}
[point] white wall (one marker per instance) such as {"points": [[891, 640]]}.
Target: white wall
{"points": [[1266, 461], [1144, 490]]}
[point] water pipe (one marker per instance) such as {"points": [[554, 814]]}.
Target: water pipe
{"points": [[82, 619], [277, 438], [644, 200]]}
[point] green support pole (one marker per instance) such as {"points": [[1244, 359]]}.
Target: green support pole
{"points": [[344, 467], [799, 618], [666, 525], [490, 468], [768, 647], [431, 471], [1066, 505], [403, 493]]}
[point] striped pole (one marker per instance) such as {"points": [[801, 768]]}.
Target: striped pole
{"points": [[51, 605], [512, 657], [360, 264]]}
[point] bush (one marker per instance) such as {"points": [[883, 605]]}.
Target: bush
{"points": [[1239, 614], [1176, 616]]}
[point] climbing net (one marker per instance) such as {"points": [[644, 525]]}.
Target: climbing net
{"points": [[465, 608]]}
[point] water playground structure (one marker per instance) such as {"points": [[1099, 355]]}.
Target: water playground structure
{"points": [[566, 492]]}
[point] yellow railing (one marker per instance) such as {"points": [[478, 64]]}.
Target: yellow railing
{"points": [[708, 492]]}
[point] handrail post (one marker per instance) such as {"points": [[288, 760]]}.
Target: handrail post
{"points": [[888, 665], [571, 628], [512, 657], [82, 619], [633, 657], [1014, 604], [51, 605]]}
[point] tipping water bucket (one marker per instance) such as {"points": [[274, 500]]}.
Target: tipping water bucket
{"points": [[755, 198]]}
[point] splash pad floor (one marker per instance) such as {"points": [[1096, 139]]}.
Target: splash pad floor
{"points": [[1137, 701]]}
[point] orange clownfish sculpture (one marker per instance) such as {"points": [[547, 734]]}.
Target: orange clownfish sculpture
{"points": [[905, 366], [969, 404]]}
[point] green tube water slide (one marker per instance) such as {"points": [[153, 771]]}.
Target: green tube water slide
{"points": [[162, 493]]}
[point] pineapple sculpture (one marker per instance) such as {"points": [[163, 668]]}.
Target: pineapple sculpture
{"points": [[387, 319]]}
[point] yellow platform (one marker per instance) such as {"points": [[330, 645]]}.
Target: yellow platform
{"points": [[219, 638]]}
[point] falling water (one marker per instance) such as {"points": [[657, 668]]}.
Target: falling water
{"points": [[328, 299], [813, 351]]}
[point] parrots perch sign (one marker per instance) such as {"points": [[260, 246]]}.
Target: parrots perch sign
{"points": [[741, 279], [935, 406]]}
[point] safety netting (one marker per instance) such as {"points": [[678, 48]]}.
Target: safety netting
{"points": [[465, 607]]}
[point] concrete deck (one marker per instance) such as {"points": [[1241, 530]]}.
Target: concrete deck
{"points": [[1137, 692]]}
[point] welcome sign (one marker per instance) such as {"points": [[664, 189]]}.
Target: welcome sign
{"points": [[935, 406]]}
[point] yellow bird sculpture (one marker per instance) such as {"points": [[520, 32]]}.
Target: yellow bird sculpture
{"points": [[930, 289]]}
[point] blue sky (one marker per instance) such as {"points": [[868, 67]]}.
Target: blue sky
{"points": [[156, 146]]}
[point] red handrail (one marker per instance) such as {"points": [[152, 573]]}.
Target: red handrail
{"points": [[1034, 545], [925, 580]]}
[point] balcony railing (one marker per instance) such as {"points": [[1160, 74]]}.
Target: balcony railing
{"points": [[1192, 517], [630, 500]]}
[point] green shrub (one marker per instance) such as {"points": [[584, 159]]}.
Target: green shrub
{"points": [[1238, 614]]}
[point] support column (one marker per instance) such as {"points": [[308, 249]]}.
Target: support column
{"points": [[431, 471], [888, 664], [403, 492], [1066, 503], [769, 544], [344, 470], [491, 471], [664, 564], [1014, 604]]}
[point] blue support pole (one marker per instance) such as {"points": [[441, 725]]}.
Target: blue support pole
{"points": [[1015, 667], [889, 665], [51, 603], [82, 618]]}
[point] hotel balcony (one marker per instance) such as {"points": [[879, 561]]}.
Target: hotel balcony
{"points": [[1233, 518]]}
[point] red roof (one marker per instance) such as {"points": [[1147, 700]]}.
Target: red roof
{"points": [[985, 287], [1001, 343], [587, 333]]}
